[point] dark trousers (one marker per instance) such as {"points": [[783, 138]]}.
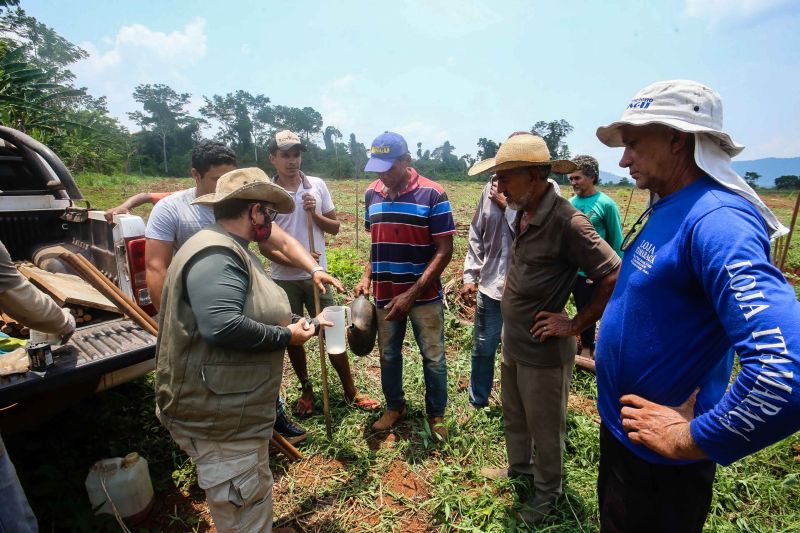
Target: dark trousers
{"points": [[635, 495], [582, 290]]}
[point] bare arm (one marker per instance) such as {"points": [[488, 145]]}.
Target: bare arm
{"points": [[327, 222], [400, 305], [157, 257], [441, 258], [131, 203], [366, 280], [559, 325], [282, 245]]}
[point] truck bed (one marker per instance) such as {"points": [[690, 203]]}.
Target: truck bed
{"points": [[96, 350]]}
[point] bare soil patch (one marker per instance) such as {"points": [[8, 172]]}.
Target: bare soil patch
{"points": [[407, 492], [584, 406], [176, 512]]}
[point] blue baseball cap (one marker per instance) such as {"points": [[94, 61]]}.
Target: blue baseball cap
{"points": [[386, 148]]}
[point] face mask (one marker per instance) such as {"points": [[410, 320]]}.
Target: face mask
{"points": [[262, 231]]}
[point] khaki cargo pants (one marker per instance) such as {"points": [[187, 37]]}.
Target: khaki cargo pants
{"points": [[237, 481]]}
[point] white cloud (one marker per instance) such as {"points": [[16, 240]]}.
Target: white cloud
{"points": [[98, 60], [342, 103], [430, 135], [185, 46], [463, 18], [338, 113], [343, 82], [777, 146], [348, 104], [735, 11], [138, 54]]}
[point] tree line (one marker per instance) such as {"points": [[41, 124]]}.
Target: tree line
{"points": [[781, 182], [38, 95]]}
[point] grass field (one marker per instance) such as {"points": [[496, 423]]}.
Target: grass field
{"points": [[404, 481]]}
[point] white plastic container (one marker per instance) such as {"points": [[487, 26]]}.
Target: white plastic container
{"points": [[335, 336], [123, 481]]}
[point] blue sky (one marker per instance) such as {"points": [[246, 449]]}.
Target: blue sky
{"points": [[451, 70]]}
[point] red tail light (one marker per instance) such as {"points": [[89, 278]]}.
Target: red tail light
{"points": [[138, 270]]}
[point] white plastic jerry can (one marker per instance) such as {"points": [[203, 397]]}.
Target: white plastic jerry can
{"points": [[122, 484]]}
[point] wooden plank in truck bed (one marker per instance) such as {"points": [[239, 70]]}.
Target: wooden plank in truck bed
{"points": [[67, 289]]}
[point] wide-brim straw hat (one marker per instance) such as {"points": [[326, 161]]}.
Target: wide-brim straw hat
{"points": [[684, 105], [249, 184], [523, 150]]}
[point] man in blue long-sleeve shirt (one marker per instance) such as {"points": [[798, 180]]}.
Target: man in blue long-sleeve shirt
{"points": [[696, 284]]}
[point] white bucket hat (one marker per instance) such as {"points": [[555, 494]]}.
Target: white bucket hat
{"points": [[685, 105], [692, 107]]}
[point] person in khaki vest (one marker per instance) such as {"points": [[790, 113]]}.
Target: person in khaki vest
{"points": [[223, 328]]}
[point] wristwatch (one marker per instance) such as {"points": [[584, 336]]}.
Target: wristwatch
{"points": [[316, 269]]}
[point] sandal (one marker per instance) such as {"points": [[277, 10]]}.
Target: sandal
{"points": [[363, 402], [304, 406]]}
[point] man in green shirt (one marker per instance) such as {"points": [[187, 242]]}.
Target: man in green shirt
{"points": [[603, 213]]}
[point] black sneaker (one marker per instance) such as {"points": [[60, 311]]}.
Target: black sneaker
{"points": [[288, 428]]}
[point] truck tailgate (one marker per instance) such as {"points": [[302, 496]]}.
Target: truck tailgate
{"points": [[91, 352]]}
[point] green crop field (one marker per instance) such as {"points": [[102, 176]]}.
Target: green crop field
{"points": [[404, 481]]}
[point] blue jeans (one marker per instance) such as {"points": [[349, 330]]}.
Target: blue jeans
{"points": [[427, 322], [15, 513], [486, 337]]}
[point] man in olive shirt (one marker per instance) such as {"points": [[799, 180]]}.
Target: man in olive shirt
{"points": [[553, 240]]}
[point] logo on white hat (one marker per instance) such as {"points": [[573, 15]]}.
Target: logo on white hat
{"points": [[640, 103]]}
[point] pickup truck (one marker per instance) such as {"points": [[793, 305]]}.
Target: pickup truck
{"points": [[42, 213]]}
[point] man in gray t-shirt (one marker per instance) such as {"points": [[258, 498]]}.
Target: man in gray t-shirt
{"points": [[174, 219]]}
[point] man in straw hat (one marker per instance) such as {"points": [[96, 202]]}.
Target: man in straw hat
{"points": [[553, 240], [224, 326], [485, 263], [411, 226], [695, 285]]}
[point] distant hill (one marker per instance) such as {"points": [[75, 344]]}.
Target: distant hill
{"points": [[769, 168], [611, 179]]}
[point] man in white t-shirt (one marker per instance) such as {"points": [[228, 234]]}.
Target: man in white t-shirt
{"points": [[312, 199]]}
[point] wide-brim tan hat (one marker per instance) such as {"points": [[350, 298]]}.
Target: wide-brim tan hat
{"points": [[522, 150], [684, 105], [248, 184]]}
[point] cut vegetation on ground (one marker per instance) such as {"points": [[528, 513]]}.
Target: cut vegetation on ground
{"points": [[404, 481]]}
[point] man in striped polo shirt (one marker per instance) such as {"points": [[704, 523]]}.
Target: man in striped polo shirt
{"points": [[411, 226]]}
